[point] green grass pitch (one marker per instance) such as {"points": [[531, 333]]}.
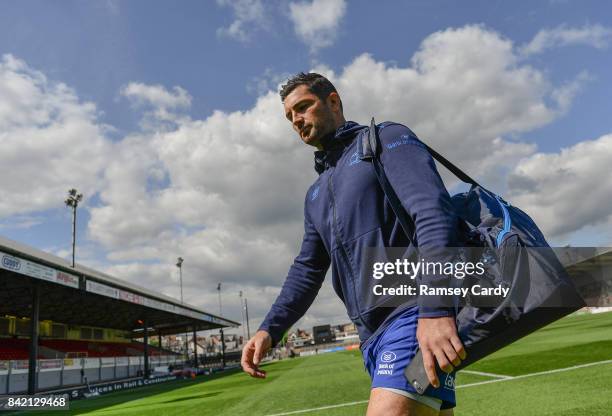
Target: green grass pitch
{"points": [[541, 382]]}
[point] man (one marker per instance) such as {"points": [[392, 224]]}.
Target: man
{"points": [[345, 213]]}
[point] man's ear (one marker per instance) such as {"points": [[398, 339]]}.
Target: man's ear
{"points": [[333, 101]]}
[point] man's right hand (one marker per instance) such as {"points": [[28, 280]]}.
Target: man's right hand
{"points": [[253, 352], [438, 341]]}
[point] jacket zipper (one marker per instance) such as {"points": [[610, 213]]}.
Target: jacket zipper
{"points": [[341, 244]]}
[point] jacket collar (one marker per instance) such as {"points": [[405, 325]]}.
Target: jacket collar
{"points": [[337, 140]]}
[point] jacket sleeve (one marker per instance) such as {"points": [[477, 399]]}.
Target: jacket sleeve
{"points": [[301, 286], [412, 173]]}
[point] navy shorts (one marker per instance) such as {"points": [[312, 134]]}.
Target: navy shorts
{"points": [[389, 353]]}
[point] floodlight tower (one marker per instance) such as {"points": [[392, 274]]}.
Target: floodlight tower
{"points": [[179, 264], [245, 317], [242, 317], [73, 202], [220, 306], [221, 329]]}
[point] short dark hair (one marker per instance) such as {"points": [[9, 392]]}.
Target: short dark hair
{"points": [[317, 84]]}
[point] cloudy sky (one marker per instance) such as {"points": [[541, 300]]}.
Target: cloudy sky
{"points": [[168, 120]]}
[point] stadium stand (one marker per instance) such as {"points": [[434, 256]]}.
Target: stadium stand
{"points": [[61, 326]]}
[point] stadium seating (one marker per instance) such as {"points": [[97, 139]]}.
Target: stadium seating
{"points": [[11, 354], [137, 348], [99, 349], [75, 348], [14, 349], [17, 348]]}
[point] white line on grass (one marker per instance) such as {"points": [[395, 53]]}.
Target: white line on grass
{"points": [[540, 373], [482, 373], [506, 378], [314, 409]]}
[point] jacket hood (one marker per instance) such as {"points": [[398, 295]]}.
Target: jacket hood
{"points": [[335, 141]]}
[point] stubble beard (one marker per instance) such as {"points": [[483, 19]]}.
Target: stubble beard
{"points": [[320, 130]]}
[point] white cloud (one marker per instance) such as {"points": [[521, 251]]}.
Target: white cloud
{"points": [[51, 141], [156, 95], [267, 81], [162, 105], [597, 36], [235, 186], [564, 95], [316, 23], [567, 190], [249, 15]]}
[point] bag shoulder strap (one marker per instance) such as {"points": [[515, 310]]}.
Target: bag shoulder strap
{"points": [[369, 150]]}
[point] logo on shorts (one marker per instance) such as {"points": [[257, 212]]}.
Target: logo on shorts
{"points": [[388, 357]]}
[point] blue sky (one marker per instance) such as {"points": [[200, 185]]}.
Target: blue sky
{"points": [[152, 87]]}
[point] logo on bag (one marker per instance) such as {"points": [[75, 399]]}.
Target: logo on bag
{"points": [[449, 382], [388, 357]]}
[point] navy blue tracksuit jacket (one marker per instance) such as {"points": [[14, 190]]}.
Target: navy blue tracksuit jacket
{"points": [[345, 212]]}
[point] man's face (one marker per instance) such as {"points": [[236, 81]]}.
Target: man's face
{"points": [[310, 117]]}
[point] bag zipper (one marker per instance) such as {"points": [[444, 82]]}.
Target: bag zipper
{"points": [[507, 221]]}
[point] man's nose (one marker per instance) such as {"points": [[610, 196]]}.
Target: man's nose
{"points": [[298, 121]]}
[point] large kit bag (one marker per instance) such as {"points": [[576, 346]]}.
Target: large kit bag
{"points": [[540, 289]]}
